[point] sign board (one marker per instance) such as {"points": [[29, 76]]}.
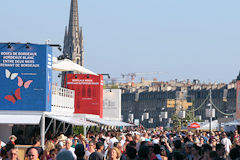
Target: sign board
{"points": [[199, 117], [131, 117], [88, 93], [181, 114], [171, 103], [26, 77], [136, 122], [164, 115], [169, 120], [225, 93], [112, 104], [150, 120], [210, 113], [146, 115], [160, 119]]}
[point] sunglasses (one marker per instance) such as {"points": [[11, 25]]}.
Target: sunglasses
{"points": [[31, 155]]}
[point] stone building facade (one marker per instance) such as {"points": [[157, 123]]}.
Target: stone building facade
{"points": [[154, 101]]}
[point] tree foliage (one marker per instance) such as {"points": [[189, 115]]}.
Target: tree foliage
{"points": [[179, 123]]}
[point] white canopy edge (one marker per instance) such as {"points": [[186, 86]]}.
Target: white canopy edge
{"points": [[68, 65], [109, 122], [214, 125], [72, 120], [20, 119], [233, 123]]}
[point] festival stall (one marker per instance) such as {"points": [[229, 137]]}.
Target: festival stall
{"points": [[28, 97], [231, 126]]}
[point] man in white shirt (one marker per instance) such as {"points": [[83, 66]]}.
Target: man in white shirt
{"points": [[123, 139], [227, 143], [112, 140], [69, 148]]}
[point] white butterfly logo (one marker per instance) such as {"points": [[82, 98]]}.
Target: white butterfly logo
{"points": [[10, 75], [48, 77]]}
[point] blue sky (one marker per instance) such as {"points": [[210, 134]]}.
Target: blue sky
{"points": [[187, 39]]}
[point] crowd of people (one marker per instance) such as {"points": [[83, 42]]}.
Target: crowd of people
{"points": [[134, 144]]}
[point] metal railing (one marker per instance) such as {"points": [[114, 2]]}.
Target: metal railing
{"points": [[62, 100]]}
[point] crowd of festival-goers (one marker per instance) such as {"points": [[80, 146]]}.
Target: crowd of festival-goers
{"points": [[134, 144]]}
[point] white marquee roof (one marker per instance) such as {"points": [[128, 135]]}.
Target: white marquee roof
{"points": [[20, 119]]}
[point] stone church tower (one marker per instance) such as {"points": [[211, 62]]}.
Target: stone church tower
{"points": [[73, 38]]}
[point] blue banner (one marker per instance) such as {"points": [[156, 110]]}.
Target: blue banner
{"points": [[25, 77]]}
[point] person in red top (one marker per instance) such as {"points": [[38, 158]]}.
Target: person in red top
{"points": [[236, 135], [12, 139]]}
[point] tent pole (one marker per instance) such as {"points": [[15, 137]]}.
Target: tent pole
{"points": [[49, 125], [64, 126], [59, 127], [42, 131], [84, 130], [72, 130], [67, 128], [66, 79], [54, 126]]}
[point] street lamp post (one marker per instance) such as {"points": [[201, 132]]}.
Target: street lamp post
{"points": [[181, 115], [211, 111], [145, 116], [130, 117]]}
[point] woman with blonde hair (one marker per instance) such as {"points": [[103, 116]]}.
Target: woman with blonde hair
{"points": [[91, 149], [113, 154], [48, 146], [82, 140]]}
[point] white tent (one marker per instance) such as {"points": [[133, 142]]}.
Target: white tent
{"points": [[109, 122], [68, 65], [231, 126], [233, 123], [205, 125]]}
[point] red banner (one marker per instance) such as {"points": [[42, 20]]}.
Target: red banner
{"points": [[194, 125], [88, 93]]}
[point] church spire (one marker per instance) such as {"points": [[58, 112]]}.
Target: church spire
{"points": [[81, 47], [81, 38], [73, 26], [65, 41], [66, 32], [73, 41]]}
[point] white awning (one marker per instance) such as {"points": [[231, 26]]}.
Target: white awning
{"points": [[233, 123], [109, 122], [20, 119], [68, 65], [205, 126], [72, 120]]}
